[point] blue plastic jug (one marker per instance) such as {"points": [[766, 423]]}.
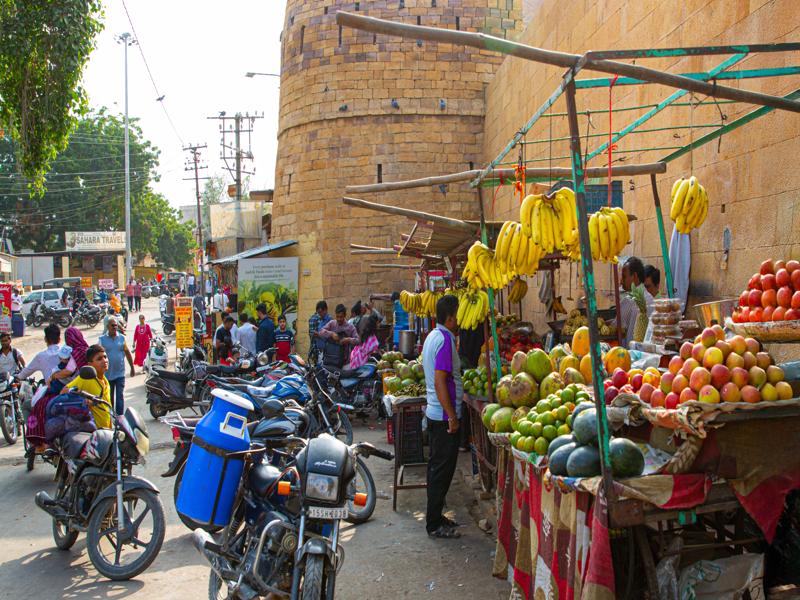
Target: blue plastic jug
{"points": [[211, 475]]}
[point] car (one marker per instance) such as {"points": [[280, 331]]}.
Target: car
{"points": [[51, 298]]}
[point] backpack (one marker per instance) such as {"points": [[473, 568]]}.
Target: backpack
{"points": [[333, 354]]}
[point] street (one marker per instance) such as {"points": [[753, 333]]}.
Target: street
{"points": [[390, 555]]}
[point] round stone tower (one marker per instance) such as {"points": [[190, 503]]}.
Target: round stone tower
{"points": [[358, 108]]}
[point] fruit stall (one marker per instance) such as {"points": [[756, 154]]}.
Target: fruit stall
{"points": [[615, 476]]}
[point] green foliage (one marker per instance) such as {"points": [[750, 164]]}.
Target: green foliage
{"points": [[44, 46]]}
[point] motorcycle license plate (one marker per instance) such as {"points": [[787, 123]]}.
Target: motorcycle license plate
{"points": [[318, 512]]}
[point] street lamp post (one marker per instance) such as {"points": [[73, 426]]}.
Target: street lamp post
{"points": [[126, 40]]}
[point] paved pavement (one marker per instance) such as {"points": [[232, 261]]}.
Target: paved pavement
{"points": [[390, 555]]}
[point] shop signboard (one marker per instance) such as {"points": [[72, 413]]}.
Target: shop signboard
{"points": [[271, 281], [183, 323], [106, 284], [86, 283], [5, 307], [94, 241]]}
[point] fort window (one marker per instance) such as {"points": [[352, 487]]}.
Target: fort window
{"points": [[302, 36]]}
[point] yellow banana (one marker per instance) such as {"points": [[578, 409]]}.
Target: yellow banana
{"points": [[525, 211], [522, 252], [501, 236], [594, 236], [680, 224], [623, 219], [675, 187], [510, 232], [483, 263], [513, 250], [546, 230], [536, 231], [613, 237], [691, 196], [694, 213], [680, 199], [603, 237]]}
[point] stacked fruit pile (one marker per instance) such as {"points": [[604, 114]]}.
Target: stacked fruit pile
{"points": [[577, 455], [689, 204], [714, 369], [535, 428], [409, 377], [772, 294], [476, 381]]}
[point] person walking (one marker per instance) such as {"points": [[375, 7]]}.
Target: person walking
{"points": [[130, 292], [265, 336], [142, 336], [117, 350], [190, 283], [209, 290], [137, 295], [198, 309], [443, 391]]}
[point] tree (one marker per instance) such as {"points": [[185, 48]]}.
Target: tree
{"points": [[213, 190], [156, 230], [44, 46]]}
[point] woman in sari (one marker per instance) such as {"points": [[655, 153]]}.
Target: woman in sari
{"points": [[141, 341], [75, 340]]}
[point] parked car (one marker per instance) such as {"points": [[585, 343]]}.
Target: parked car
{"points": [[50, 298]]}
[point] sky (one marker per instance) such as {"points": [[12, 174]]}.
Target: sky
{"points": [[198, 52]]}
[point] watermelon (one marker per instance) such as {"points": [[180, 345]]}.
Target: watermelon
{"points": [[584, 461], [487, 412], [558, 442], [559, 458], [584, 426], [407, 382], [627, 460], [582, 406]]}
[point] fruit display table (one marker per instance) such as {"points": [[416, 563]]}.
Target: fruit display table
{"points": [[485, 451]]}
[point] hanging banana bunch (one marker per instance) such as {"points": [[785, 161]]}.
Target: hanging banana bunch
{"points": [[552, 223], [689, 204], [472, 309], [608, 233], [423, 305], [518, 291]]}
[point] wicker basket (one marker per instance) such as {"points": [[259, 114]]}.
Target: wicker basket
{"points": [[772, 331]]}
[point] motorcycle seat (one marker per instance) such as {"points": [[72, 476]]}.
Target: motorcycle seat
{"points": [[72, 443], [173, 375], [362, 372], [222, 370]]}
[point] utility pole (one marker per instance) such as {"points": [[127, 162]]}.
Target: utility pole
{"points": [[195, 160], [237, 154], [126, 40]]}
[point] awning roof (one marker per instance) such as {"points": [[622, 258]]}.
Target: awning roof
{"points": [[253, 252]]}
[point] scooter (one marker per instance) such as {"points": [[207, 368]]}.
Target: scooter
{"points": [[157, 355]]}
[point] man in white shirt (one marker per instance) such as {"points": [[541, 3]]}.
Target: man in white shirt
{"points": [[247, 334], [11, 359], [16, 301], [46, 362], [209, 290], [190, 283], [220, 301]]}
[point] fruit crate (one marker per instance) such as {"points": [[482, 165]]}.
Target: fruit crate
{"points": [[596, 194]]}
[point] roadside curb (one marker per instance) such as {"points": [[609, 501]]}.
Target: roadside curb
{"points": [[13, 461]]}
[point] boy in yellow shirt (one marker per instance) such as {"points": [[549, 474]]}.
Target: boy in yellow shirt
{"points": [[96, 357]]}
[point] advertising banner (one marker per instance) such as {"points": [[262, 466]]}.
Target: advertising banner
{"points": [[106, 284], [5, 307], [183, 323], [271, 281], [86, 283], [94, 241]]}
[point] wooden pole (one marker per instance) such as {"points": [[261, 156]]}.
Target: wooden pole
{"points": [[532, 172], [394, 266], [559, 59], [411, 214]]}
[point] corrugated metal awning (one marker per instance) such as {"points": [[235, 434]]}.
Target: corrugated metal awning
{"points": [[253, 252]]}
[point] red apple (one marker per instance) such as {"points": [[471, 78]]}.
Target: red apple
{"points": [[738, 344], [646, 391], [784, 297], [754, 299], [792, 266], [657, 398], [679, 383], [675, 364], [739, 376], [611, 393], [744, 315], [666, 382], [792, 314], [778, 265], [626, 389], [619, 377], [750, 394], [709, 394], [637, 381], [686, 350], [795, 304], [686, 395], [736, 316], [779, 314], [782, 277], [769, 298], [730, 392], [699, 378], [720, 375], [671, 401], [767, 267]]}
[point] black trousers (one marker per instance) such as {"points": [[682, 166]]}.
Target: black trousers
{"points": [[441, 467], [137, 301]]}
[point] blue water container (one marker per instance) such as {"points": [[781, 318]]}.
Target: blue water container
{"points": [[17, 325], [211, 475]]}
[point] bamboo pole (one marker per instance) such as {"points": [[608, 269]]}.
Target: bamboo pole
{"points": [[394, 266], [559, 59], [551, 172], [411, 214], [373, 251]]}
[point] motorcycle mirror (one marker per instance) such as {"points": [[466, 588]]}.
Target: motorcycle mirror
{"points": [[87, 372]]}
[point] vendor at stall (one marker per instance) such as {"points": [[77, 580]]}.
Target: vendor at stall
{"points": [[443, 391], [652, 281], [635, 302]]}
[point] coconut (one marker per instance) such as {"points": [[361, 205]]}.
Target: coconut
{"points": [[521, 391], [518, 362], [503, 391]]}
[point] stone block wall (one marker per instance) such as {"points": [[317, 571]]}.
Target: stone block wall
{"points": [[338, 126], [750, 175]]}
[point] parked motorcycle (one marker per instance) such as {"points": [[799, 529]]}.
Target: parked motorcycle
{"points": [[283, 537], [88, 314], [167, 323], [121, 514], [40, 314], [12, 421], [360, 388], [196, 353], [157, 355]]}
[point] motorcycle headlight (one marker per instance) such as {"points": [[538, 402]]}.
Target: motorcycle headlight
{"points": [[142, 443], [322, 487], [263, 359]]}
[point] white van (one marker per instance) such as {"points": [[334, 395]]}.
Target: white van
{"points": [[51, 298]]}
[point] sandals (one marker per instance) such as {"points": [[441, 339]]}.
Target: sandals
{"points": [[444, 532], [450, 523]]}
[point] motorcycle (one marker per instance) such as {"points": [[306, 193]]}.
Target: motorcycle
{"points": [[167, 323], [12, 421], [40, 313], [96, 493], [360, 388], [283, 537], [88, 314], [196, 353], [157, 355]]}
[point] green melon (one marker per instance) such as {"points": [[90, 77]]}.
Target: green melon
{"points": [[584, 461], [559, 457], [627, 460], [558, 442], [584, 426]]}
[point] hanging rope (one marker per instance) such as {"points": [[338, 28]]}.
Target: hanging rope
{"points": [[611, 146]]}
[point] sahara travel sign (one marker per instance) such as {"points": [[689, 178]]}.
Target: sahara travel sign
{"points": [[94, 241]]}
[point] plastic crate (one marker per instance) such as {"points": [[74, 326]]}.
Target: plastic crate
{"points": [[596, 194]]}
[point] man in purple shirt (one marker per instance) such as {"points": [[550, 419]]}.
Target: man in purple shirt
{"points": [[443, 392]]}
